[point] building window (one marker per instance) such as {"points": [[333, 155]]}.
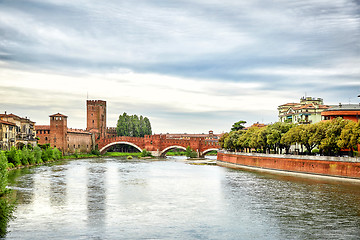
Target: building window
{"points": [[46, 138]]}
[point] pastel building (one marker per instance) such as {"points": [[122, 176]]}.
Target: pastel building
{"points": [[16, 131], [307, 111]]}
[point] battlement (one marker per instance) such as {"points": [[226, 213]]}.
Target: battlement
{"points": [[95, 102]]}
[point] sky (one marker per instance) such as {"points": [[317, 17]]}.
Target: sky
{"points": [[190, 66]]}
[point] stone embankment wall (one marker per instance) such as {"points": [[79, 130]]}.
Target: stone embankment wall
{"points": [[344, 167]]}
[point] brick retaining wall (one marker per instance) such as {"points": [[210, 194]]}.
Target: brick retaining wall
{"points": [[338, 167]]}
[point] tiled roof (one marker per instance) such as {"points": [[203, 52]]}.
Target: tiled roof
{"points": [[7, 123], [345, 107], [73, 130], [42, 127], [58, 115]]}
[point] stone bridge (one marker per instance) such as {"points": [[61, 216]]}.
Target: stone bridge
{"points": [[160, 144]]}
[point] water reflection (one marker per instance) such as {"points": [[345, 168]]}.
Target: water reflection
{"points": [[58, 186], [116, 198], [96, 195], [306, 209]]}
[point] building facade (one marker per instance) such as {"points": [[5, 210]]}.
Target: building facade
{"points": [[307, 111], [96, 118], [16, 131], [345, 111], [67, 140]]}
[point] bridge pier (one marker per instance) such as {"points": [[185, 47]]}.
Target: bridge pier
{"points": [[156, 153]]}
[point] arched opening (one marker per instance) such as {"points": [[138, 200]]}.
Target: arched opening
{"points": [[120, 146], [172, 149], [210, 152]]}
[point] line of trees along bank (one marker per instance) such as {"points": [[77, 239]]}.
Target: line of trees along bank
{"points": [[133, 126], [326, 137]]}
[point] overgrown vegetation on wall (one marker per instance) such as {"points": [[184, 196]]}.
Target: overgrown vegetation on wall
{"points": [[6, 207], [326, 137], [133, 126]]}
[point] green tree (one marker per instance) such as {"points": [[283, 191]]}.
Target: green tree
{"points": [[222, 140], [275, 132], [238, 125], [147, 124], [132, 125], [332, 135], [291, 137], [349, 137]]}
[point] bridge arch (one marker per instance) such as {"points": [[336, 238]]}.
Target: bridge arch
{"points": [[209, 150], [105, 148], [163, 152]]}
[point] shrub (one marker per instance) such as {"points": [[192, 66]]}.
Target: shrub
{"points": [[95, 152], [57, 154], [47, 154], [315, 151], [13, 156], [190, 153], [3, 172], [145, 153], [37, 154], [24, 155]]}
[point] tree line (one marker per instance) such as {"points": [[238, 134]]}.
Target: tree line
{"points": [[133, 126], [325, 138]]}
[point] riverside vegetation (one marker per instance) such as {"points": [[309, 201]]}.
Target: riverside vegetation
{"points": [[326, 138]]}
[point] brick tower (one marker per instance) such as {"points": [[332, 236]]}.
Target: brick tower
{"points": [[96, 118], [58, 131]]}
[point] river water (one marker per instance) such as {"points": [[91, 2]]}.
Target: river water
{"points": [[113, 198]]}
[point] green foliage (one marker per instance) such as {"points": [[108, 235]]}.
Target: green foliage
{"points": [[95, 152], [3, 173], [37, 154], [6, 214], [47, 154], [238, 125], [190, 153], [24, 156], [132, 125], [13, 156], [332, 136], [57, 154], [145, 153]]}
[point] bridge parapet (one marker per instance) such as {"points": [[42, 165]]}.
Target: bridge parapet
{"points": [[159, 144]]}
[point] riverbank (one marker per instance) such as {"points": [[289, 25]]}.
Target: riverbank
{"points": [[336, 168]]}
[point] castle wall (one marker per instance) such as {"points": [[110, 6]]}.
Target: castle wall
{"points": [[79, 142]]}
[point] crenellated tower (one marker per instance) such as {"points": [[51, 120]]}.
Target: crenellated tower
{"points": [[58, 130], [96, 118]]}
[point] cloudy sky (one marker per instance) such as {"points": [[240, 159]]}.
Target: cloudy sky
{"points": [[188, 65]]}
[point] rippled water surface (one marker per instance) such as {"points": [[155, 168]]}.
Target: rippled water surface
{"points": [[112, 198]]}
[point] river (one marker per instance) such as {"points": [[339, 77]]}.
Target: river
{"points": [[114, 198]]}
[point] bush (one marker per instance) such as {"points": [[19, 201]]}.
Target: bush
{"points": [[57, 154], [3, 173], [37, 154], [95, 152], [315, 151], [145, 153], [13, 156], [190, 153], [47, 154], [24, 155]]}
